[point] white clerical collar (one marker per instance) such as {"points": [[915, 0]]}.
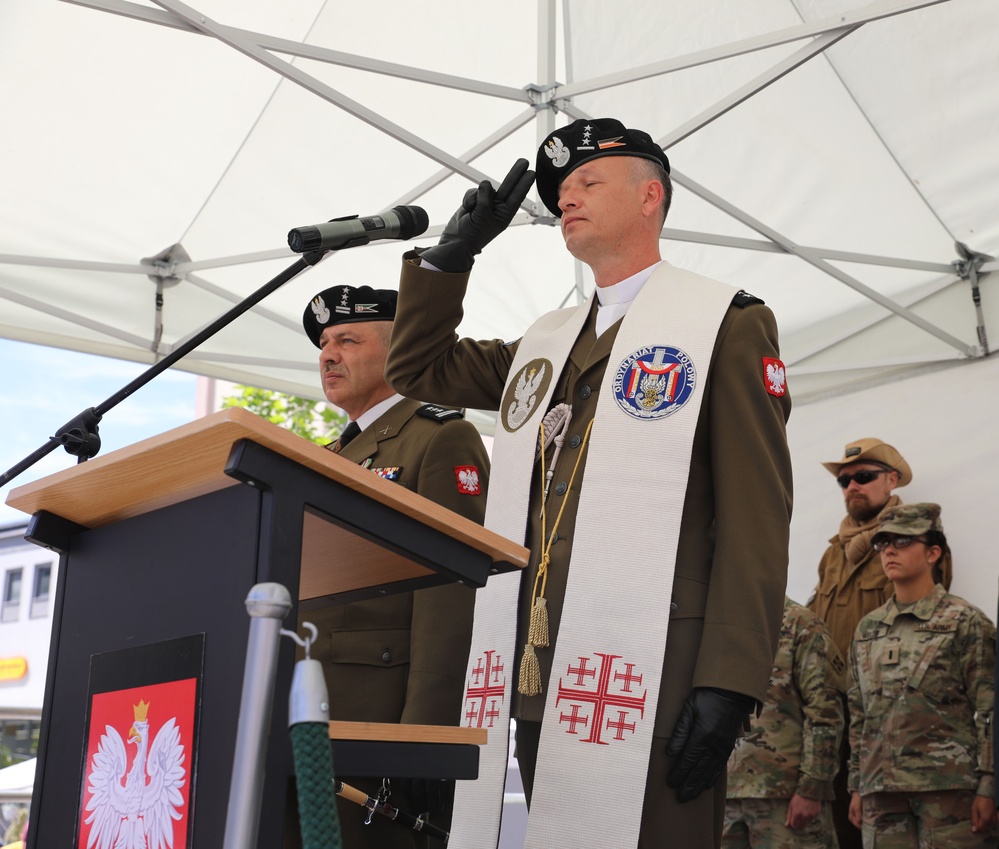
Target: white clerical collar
{"points": [[369, 417], [614, 300]]}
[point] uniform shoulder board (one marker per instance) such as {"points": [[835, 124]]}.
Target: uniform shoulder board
{"points": [[439, 414], [744, 299]]}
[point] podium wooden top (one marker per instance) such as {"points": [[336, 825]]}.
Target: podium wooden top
{"points": [[398, 733], [190, 460]]}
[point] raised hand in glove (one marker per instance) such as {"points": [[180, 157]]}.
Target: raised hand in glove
{"points": [[704, 737], [484, 213]]}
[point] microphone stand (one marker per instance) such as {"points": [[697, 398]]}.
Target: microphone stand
{"points": [[79, 436]]}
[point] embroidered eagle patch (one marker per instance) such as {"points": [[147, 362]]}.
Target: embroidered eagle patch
{"points": [[468, 480], [775, 376]]}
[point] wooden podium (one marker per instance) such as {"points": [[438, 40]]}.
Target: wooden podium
{"points": [[160, 543]]}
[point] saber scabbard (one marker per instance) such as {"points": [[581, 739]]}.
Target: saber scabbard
{"points": [[359, 797]]}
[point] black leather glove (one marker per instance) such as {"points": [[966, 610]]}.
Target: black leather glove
{"points": [[704, 737], [484, 213]]}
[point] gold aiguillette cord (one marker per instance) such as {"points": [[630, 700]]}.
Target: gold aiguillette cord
{"points": [[529, 683]]}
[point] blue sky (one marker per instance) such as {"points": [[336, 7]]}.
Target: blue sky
{"points": [[45, 387]]}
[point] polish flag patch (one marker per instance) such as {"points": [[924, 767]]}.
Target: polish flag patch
{"points": [[775, 376], [468, 480]]}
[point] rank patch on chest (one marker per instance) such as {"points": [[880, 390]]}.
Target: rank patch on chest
{"points": [[774, 376], [654, 382], [390, 473], [468, 480]]}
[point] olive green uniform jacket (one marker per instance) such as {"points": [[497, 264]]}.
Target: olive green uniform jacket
{"points": [[731, 562], [402, 658]]}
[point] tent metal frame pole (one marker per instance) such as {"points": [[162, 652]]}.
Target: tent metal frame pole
{"points": [[74, 318], [306, 51], [814, 48], [875, 11], [819, 263], [470, 155], [319, 88], [825, 253], [910, 299]]}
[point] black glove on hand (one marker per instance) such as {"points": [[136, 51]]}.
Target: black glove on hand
{"points": [[704, 737], [484, 213]]}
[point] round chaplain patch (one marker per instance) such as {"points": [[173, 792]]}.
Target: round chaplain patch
{"points": [[524, 393], [654, 382]]}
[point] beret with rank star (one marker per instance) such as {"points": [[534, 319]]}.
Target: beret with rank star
{"points": [[570, 146], [343, 304]]}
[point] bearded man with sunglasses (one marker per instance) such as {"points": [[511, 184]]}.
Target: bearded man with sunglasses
{"points": [[851, 580]]}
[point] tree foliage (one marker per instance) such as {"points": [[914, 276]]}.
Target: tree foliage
{"points": [[312, 420]]}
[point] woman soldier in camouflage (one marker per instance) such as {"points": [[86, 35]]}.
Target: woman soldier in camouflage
{"points": [[921, 698]]}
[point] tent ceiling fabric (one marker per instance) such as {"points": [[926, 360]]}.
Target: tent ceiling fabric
{"points": [[128, 132]]}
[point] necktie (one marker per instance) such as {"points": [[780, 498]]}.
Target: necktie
{"points": [[349, 432]]}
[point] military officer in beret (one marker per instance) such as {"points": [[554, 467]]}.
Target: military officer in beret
{"points": [[921, 701], [400, 658], [780, 775], [649, 474], [851, 580]]}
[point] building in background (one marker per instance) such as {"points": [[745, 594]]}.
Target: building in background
{"points": [[27, 590]]}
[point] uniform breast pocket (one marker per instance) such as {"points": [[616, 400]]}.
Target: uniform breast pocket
{"points": [[935, 673], [869, 650]]}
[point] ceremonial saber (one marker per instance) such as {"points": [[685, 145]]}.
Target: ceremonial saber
{"points": [[359, 797]]}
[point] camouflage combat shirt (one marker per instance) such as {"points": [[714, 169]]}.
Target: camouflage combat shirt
{"points": [[921, 697], [793, 746]]}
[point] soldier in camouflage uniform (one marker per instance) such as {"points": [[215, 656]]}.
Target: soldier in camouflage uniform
{"points": [[921, 698], [780, 775]]}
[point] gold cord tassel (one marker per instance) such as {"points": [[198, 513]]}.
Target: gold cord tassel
{"points": [[537, 634], [530, 673]]}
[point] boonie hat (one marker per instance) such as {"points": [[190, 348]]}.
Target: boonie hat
{"points": [[343, 304], [871, 450], [570, 146]]}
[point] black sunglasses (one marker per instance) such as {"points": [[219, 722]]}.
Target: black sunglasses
{"points": [[896, 541], [862, 477]]}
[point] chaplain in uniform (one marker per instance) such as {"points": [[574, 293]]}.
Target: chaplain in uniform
{"points": [[643, 459], [400, 658]]}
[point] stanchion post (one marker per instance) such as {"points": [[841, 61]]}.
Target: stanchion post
{"points": [[267, 604]]}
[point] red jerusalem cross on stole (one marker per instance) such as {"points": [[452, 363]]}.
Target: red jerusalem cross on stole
{"points": [[488, 685], [591, 706]]}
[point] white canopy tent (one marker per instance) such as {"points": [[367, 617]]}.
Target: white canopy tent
{"points": [[17, 781], [834, 157]]}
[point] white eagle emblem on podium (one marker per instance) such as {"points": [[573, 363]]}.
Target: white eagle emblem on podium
{"points": [[140, 813]]}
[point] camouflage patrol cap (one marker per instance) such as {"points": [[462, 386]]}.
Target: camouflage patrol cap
{"points": [[342, 304], [910, 520], [871, 450]]}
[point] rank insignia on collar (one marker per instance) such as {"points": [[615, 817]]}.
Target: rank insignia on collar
{"points": [[439, 414], [654, 382], [468, 480], [390, 473]]}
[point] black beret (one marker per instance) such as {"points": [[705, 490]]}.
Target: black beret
{"points": [[570, 146], [343, 304]]}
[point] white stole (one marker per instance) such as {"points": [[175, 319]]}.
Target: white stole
{"points": [[601, 700]]}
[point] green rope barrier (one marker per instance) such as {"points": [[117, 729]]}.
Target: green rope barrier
{"points": [[317, 813]]}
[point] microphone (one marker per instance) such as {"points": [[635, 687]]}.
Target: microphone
{"points": [[400, 222]]}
